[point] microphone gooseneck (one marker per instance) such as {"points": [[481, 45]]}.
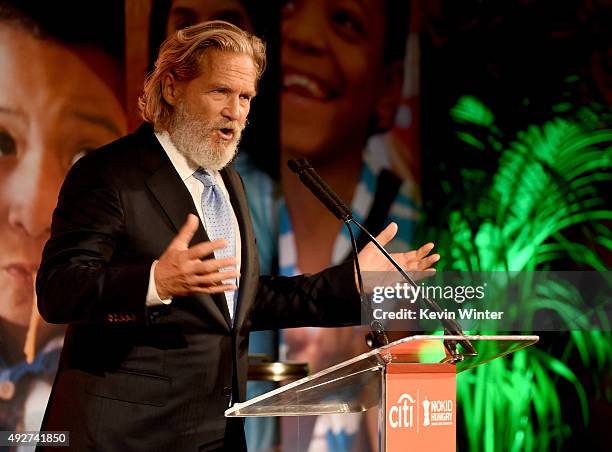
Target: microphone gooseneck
{"points": [[335, 205]]}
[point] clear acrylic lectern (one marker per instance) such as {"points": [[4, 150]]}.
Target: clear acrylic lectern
{"points": [[409, 385]]}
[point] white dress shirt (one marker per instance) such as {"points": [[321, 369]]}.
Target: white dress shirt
{"points": [[185, 170]]}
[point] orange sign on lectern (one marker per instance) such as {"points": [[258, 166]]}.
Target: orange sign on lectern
{"points": [[420, 407]]}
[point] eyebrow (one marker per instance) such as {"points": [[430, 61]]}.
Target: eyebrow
{"points": [[227, 88], [99, 120]]}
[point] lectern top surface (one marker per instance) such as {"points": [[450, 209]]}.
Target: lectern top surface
{"points": [[355, 385]]}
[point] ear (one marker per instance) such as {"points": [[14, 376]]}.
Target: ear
{"points": [[389, 98], [171, 89]]}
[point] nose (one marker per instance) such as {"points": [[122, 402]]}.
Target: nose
{"points": [[302, 27], [33, 191], [232, 109]]}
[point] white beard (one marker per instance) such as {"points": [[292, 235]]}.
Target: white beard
{"points": [[197, 139]]}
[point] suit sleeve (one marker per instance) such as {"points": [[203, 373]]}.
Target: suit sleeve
{"points": [[325, 299], [78, 280]]}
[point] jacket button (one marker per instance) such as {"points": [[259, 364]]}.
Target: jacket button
{"points": [[227, 391]]}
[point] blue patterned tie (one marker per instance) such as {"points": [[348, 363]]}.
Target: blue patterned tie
{"points": [[219, 225]]}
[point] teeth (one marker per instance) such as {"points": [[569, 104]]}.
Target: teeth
{"points": [[304, 82]]}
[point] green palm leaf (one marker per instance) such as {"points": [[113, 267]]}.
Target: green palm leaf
{"points": [[548, 182]]}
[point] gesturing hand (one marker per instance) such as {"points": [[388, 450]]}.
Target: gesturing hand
{"points": [[372, 260], [181, 270]]}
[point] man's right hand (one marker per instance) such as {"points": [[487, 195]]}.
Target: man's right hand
{"points": [[182, 271]]}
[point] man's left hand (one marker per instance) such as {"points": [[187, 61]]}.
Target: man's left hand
{"points": [[419, 260]]}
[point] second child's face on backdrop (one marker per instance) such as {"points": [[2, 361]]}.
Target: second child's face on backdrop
{"points": [[333, 73], [335, 84], [53, 109]]}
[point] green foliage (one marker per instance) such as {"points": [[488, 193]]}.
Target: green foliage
{"points": [[541, 207]]}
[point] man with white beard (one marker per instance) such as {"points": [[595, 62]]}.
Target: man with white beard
{"points": [[159, 307], [194, 137]]}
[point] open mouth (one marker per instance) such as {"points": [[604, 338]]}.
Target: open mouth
{"points": [[307, 86], [226, 133]]}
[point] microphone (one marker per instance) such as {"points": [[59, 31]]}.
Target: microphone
{"points": [[326, 195], [320, 189]]}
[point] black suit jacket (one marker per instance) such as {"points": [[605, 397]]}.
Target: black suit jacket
{"points": [[138, 378]]}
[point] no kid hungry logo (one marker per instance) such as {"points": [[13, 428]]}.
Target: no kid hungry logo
{"points": [[405, 413]]}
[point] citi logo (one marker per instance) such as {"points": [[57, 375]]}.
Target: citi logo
{"points": [[401, 415]]}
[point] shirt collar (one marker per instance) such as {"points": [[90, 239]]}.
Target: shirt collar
{"points": [[183, 167]]}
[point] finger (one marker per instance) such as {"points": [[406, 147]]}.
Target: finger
{"points": [[212, 265], [212, 279], [204, 249], [425, 274], [214, 289], [186, 233], [387, 234], [428, 261], [410, 262], [425, 250]]}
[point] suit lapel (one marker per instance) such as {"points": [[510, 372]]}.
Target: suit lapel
{"points": [[175, 200]]}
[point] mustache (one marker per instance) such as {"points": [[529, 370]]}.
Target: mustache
{"points": [[225, 124]]}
